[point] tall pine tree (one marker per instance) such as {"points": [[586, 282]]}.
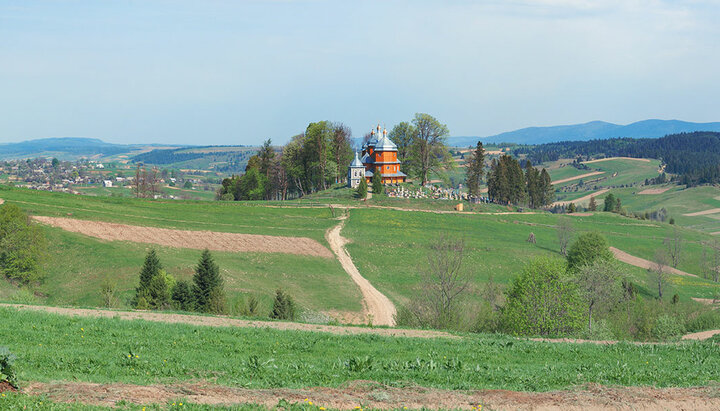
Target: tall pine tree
{"points": [[377, 186], [150, 269], [475, 171], [208, 284]]}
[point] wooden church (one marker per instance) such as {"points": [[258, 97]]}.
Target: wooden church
{"points": [[379, 155]]}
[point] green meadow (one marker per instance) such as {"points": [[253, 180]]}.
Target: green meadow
{"points": [[52, 347]]}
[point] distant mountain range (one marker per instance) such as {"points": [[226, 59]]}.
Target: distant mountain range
{"points": [[594, 130], [62, 147]]}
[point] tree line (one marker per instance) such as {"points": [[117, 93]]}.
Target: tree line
{"points": [[507, 184], [319, 157]]}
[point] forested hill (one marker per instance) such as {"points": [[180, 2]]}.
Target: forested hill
{"points": [[63, 148], [594, 130], [694, 156]]}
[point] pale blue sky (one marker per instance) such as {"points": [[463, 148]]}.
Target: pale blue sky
{"points": [[237, 72]]}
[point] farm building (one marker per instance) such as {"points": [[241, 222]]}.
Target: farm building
{"points": [[379, 155]]}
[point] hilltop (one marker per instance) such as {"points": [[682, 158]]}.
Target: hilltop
{"points": [[594, 130]]}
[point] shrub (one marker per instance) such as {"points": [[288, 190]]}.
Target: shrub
{"points": [[283, 306], [362, 188], [22, 246], [377, 186], [600, 332], [7, 367], [182, 296], [706, 320], [160, 290], [667, 327], [588, 248], [543, 301]]}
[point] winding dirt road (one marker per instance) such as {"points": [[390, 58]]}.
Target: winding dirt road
{"points": [[377, 305], [565, 180], [581, 200]]}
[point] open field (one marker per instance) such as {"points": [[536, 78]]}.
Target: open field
{"points": [[687, 206], [96, 350], [392, 255]]}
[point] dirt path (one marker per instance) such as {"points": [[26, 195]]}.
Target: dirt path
{"points": [[377, 305], [643, 263], [565, 180], [212, 240], [646, 160], [370, 394], [218, 321], [704, 212], [581, 200]]}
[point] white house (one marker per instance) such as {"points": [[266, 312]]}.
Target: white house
{"points": [[107, 183]]}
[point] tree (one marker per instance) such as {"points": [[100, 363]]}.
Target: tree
{"points": [[265, 155], [182, 296], [475, 170], [251, 185], [402, 135], [22, 246], [610, 203], [658, 271], [362, 188], [674, 246], [341, 147], [283, 306], [587, 249], [208, 284], [565, 232], [543, 301], [546, 187], [160, 290], [377, 186], [428, 150], [444, 281], [599, 286], [593, 204], [618, 205], [571, 208], [151, 268]]}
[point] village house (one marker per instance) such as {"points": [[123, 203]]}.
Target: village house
{"points": [[379, 155]]}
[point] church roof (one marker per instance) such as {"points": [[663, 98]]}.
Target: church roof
{"points": [[385, 144], [367, 159], [356, 162], [398, 174]]}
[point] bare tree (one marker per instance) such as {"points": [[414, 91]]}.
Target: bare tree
{"points": [[658, 270], [445, 280], [139, 182], [565, 232], [599, 286], [674, 247], [152, 182], [711, 260]]}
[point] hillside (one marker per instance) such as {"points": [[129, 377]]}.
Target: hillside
{"points": [[64, 148], [594, 130]]}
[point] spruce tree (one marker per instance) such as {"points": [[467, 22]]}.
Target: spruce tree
{"points": [[182, 296], [593, 204], [546, 188], [362, 188], [149, 271], [610, 203], [208, 283], [377, 183], [475, 171], [283, 306]]}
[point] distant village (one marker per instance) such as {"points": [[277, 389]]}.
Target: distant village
{"points": [[76, 177]]}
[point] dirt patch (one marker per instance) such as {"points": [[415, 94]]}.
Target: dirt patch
{"points": [[580, 214], [643, 263], [702, 335], [219, 321], [646, 160], [6, 386], [379, 308], [654, 190], [565, 180], [705, 212], [581, 200], [1, 201], [212, 240], [706, 301], [370, 394]]}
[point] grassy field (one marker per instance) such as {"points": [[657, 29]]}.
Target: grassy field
{"points": [[389, 247], [126, 191], [52, 347], [78, 265]]}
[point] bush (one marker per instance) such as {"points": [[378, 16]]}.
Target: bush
{"points": [[362, 188], [22, 246], [588, 248], [600, 331], [283, 306], [667, 328], [7, 367], [543, 301], [706, 320]]}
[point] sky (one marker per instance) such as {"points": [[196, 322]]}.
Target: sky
{"points": [[239, 72]]}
